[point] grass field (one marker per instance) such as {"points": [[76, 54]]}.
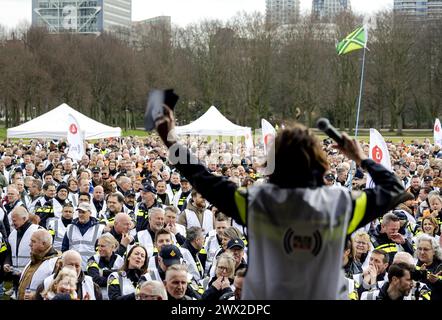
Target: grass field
{"points": [[408, 135]]}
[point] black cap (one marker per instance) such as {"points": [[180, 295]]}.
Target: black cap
{"points": [[330, 176], [428, 178], [62, 186], [184, 179], [129, 193], [96, 169], [148, 188], [171, 255], [235, 243], [400, 214]]}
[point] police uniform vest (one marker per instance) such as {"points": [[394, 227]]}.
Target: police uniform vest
{"points": [[17, 204], [192, 220], [120, 278], [47, 208], [73, 197], [22, 256], [57, 229], [87, 286], [212, 246], [84, 244], [145, 239], [295, 235], [179, 201], [30, 204], [118, 263], [153, 270], [195, 268], [44, 270], [181, 230], [3, 246]]}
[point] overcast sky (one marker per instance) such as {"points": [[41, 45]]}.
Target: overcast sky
{"points": [[13, 12]]}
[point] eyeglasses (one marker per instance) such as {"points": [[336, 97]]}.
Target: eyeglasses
{"points": [[222, 268], [423, 249]]}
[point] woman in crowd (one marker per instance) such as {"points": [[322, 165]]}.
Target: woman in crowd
{"points": [[64, 283], [221, 283], [121, 285], [106, 261]]}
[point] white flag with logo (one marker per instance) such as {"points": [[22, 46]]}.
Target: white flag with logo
{"points": [[75, 139], [437, 133], [379, 153], [268, 134]]}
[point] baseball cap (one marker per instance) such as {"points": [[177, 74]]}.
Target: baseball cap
{"points": [[148, 188], [95, 169], [170, 255], [184, 179], [428, 178], [84, 206], [129, 193], [330, 176], [400, 214], [235, 243], [62, 186]]}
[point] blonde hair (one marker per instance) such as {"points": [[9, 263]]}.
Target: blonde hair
{"points": [[66, 272], [109, 239], [230, 260]]}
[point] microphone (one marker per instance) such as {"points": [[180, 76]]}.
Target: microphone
{"points": [[324, 125]]}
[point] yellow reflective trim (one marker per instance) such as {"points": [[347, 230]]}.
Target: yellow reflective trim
{"points": [[3, 248], [426, 296], [93, 265], [353, 296], [155, 249], [241, 205], [52, 232], [390, 250], [140, 213], [203, 251], [358, 212], [114, 282]]}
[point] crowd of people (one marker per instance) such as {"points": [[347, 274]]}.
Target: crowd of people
{"points": [[123, 223]]}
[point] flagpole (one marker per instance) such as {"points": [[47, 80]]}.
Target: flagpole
{"points": [[361, 85]]}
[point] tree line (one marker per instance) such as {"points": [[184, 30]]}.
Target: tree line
{"points": [[245, 67]]}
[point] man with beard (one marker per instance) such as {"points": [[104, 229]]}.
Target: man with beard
{"points": [[96, 177], [196, 214], [129, 203], [415, 186], [182, 197], [42, 264]]}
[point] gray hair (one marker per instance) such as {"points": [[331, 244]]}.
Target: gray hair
{"points": [[389, 217], [434, 244], [157, 288], [403, 257], [154, 211], [193, 233], [44, 236], [21, 212]]}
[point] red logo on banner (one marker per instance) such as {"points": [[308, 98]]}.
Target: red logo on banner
{"points": [[73, 128], [437, 129], [268, 138], [376, 154]]}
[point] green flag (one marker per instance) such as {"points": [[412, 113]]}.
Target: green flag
{"points": [[354, 41]]}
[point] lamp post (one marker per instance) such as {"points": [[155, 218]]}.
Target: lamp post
{"points": [[126, 110]]}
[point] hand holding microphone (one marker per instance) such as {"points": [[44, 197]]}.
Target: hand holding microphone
{"points": [[349, 147]]}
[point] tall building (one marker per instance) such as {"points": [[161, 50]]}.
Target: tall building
{"points": [[282, 11], [158, 29], [329, 8], [85, 17], [427, 9]]}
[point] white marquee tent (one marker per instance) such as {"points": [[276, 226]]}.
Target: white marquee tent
{"points": [[213, 123], [54, 125]]}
